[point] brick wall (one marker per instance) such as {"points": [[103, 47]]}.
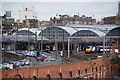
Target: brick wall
{"points": [[116, 70], [74, 70]]}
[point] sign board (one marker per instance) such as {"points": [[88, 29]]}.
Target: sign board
{"points": [[116, 50]]}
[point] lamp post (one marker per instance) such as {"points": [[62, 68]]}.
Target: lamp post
{"points": [[15, 43], [36, 40], [68, 47], [63, 44], [28, 26], [56, 46], [41, 40], [104, 46]]}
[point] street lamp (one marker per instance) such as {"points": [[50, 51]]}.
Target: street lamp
{"points": [[68, 47], [56, 45], [63, 44], [36, 40], [104, 46], [28, 26], [41, 40]]}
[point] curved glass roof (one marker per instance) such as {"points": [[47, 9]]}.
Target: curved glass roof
{"points": [[114, 32], [70, 30], [103, 28], [63, 32], [24, 32], [32, 31], [84, 33], [58, 32], [87, 32]]}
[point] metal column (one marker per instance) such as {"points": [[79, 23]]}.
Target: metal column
{"points": [[68, 47], [104, 46]]}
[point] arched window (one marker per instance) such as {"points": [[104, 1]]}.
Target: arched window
{"points": [[92, 68], [25, 17], [17, 77], [70, 73], [79, 72], [60, 75], [34, 78], [48, 77], [85, 71], [112, 68], [96, 69]]}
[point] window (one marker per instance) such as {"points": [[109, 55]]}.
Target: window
{"points": [[96, 69], [26, 9], [112, 68], [79, 72], [34, 78], [25, 17], [70, 73], [60, 75], [85, 71], [48, 76]]}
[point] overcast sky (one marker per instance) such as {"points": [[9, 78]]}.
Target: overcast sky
{"points": [[45, 10]]}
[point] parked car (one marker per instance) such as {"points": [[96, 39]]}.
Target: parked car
{"points": [[51, 59], [1, 66], [27, 62], [44, 55], [25, 53], [18, 52], [32, 53], [13, 52], [11, 66], [5, 65], [14, 63], [42, 58], [17, 63], [22, 62]]}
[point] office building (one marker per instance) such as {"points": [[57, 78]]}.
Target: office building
{"points": [[27, 13]]}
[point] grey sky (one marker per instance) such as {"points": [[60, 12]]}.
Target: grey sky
{"points": [[46, 10]]}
